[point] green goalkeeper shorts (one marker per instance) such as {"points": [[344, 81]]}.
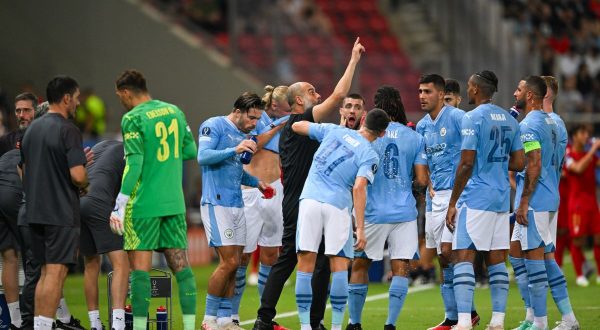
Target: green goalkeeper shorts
{"points": [[157, 233]]}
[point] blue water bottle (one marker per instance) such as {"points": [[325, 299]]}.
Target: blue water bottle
{"points": [[246, 156], [161, 318]]}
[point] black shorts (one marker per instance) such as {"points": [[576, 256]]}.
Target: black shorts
{"points": [[96, 236], [10, 201], [54, 244]]}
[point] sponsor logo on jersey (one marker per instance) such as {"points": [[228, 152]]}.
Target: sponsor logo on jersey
{"points": [[467, 132], [131, 135], [435, 148], [527, 137]]}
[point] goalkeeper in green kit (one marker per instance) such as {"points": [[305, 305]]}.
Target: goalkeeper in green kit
{"points": [[150, 208]]}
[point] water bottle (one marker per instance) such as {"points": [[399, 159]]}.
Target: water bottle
{"points": [[246, 156], [128, 318], [161, 318], [514, 112]]}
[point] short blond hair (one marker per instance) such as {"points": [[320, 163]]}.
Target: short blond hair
{"points": [[278, 93], [551, 83]]}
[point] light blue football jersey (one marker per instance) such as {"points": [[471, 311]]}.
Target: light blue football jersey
{"points": [[265, 124], [493, 134], [563, 139], [539, 127], [342, 156], [221, 181], [442, 145], [390, 198]]}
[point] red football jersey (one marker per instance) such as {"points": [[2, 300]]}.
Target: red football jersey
{"points": [[582, 186]]}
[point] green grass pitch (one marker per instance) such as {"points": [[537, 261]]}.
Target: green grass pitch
{"points": [[421, 310]]}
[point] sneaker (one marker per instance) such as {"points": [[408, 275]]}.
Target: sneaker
{"points": [[355, 326], [533, 327], [102, 328], [495, 327], [73, 324], [474, 319], [458, 327], [524, 325], [209, 325], [231, 326], [566, 325], [445, 325], [389, 327], [582, 281]]}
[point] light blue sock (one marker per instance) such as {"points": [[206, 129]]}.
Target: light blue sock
{"points": [[238, 291], [538, 286], [357, 294], [263, 274], [398, 291], [338, 296], [224, 308], [212, 305], [303, 296], [498, 276], [518, 265], [558, 287], [464, 286], [447, 289]]}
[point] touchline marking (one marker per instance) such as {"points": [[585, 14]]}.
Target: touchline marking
{"points": [[369, 298]]}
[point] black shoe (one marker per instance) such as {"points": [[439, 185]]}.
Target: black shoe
{"points": [[262, 325], [389, 327], [355, 326], [236, 322], [74, 324]]}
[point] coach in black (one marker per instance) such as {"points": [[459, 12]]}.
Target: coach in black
{"points": [[53, 165], [296, 154]]}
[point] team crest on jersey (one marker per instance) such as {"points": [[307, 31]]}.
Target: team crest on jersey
{"points": [[205, 131], [228, 233], [443, 131]]}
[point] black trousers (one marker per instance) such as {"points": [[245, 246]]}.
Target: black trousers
{"points": [[33, 270], [283, 268]]}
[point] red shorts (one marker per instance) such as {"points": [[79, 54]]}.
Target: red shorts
{"points": [[584, 219]]}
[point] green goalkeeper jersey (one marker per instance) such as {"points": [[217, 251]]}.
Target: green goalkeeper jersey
{"points": [[159, 132]]}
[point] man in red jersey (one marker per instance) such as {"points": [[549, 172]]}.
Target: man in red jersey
{"points": [[584, 218], [563, 239]]}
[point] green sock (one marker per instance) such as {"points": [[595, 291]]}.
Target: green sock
{"points": [[140, 298], [139, 323], [187, 296]]}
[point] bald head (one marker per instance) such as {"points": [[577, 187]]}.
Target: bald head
{"points": [[302, 96]]}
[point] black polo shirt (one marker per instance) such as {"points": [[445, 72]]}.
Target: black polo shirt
{"points": [[51, 146]]}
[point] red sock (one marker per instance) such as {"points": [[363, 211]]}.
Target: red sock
{"points": [[561, 242], [578, 259], [597, 257]]}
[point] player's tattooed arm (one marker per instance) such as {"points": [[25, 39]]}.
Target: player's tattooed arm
{"points": [[532, 173], [421, 180], [176, 259]]}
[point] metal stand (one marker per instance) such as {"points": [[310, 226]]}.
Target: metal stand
{"points": [[160, 287]]}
